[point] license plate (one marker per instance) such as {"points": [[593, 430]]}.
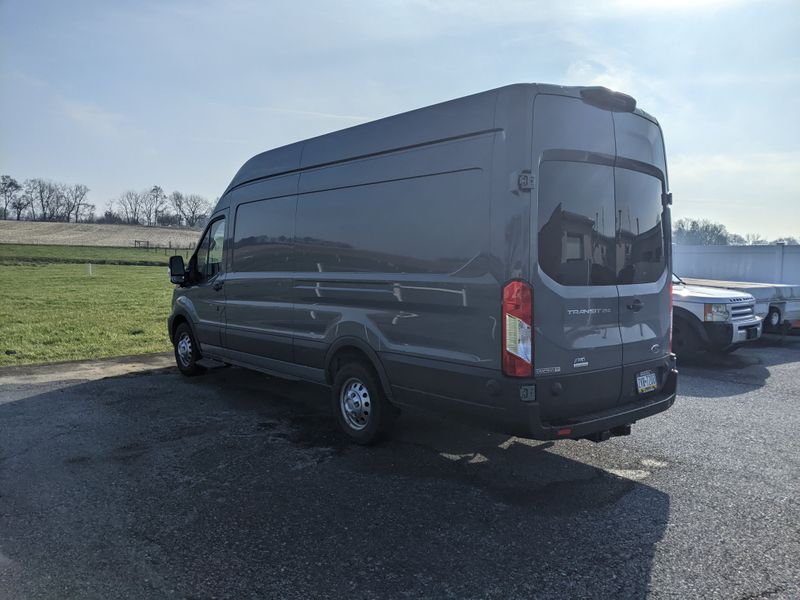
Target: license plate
{"points": [[752, 332], [646, 381]]}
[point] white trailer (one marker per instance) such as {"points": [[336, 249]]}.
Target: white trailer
{"points": [[778, 304]]}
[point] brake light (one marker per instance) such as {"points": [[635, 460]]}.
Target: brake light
{"points": [[670, 316], [517, 329]]}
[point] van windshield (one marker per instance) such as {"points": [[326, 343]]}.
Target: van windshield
{"points": [[599, 225]]}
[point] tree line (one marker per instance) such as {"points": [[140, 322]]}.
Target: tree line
{"points": [[702, 232], [44, 200]]}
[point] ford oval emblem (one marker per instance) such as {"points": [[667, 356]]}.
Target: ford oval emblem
{"points": [[655, 348]]}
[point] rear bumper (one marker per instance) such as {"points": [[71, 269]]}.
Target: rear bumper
{"points": [[547, 408], [611, 418], [571, 414]]}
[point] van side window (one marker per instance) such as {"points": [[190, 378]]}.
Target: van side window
{"points": [[262, 237], [576, 223], [210, 250], [640, 232], [215, 248], [432, 224]]}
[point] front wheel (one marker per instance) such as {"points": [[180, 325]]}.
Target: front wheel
{"points": [[187, 352], [685, 342], [360, 406]]}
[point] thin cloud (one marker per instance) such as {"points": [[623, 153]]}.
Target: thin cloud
{"points": [[315, 114], [516, 11], [627, 6], [758, 178], [91, 117], [768, 165], [757, 191]]}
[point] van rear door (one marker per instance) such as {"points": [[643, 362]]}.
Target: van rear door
{"points": [[643, 243], [576, 300]]}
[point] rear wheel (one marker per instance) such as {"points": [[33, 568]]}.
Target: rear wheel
{"points": [[360, 406], [773, 320], [187, 352]]}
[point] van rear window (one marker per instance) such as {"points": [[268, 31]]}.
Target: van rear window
{"points": [[640, 231], [599, 225], [576, 223]]}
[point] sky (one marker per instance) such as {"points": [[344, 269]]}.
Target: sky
{"points": [[127, 95]]}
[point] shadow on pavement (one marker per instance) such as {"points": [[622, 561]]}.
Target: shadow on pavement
{"points": [[748, 366], [236, 485]]}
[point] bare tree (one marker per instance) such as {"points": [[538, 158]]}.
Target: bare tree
{"points": [[110, 215], [754, 239], [86, 213], [177, 200], [61, 207], [58, 209], [154, 201], [9, 190], [46, 198], [789, 241], [734, 239], [130, 206], [191, 207], [169, 219], [700, 232], [20, 204], [75, 204]]}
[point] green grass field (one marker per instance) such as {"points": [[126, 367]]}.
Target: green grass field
{"points": [[26, 254], [56, 312]]}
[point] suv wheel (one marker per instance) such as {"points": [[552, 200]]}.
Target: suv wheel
{"points": [[187, 352], [685, 342], [360, 406], [773, 320]]}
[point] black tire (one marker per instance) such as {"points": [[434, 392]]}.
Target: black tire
{"points": [[186, 357], [730, 349], [685, 342], [770, 323], [370, 415]]}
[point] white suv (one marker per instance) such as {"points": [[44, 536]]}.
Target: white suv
{"points": [[711, 319]]}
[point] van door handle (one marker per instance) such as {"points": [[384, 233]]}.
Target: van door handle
{"points": [[218, 285], [636, 305]]}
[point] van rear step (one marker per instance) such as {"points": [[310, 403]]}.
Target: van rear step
{"points": [[607, 434]]}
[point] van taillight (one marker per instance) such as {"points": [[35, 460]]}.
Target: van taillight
{"points": [[517, 329], [670, 316]]}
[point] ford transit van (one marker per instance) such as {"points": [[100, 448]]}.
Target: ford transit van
{"points": [[502, 258]]}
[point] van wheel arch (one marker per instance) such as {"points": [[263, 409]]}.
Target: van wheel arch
{"points": [[179, 318], [354, 349]]}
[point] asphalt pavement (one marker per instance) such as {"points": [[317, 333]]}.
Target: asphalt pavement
{"points": [[122, 479]]}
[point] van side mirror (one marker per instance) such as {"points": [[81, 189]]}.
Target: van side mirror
{"points": [[177, 272]]}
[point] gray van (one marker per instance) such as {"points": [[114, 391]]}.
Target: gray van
{"points": [[504, 258]]}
